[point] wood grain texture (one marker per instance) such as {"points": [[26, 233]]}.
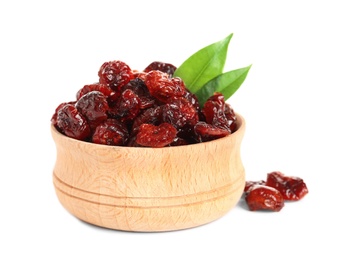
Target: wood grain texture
{"points": [[149, 189]]}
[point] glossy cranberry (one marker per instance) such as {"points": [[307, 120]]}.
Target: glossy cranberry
{"points": [[94, 107], [156, 136], [115, 74], [161, 66], [162, 87], [261, 197], [72, 123], [53, 120], [103, 88], [214, 111], [179, 112], [127, 106], [207, 132], [251, 184], [110, 132], [140, 89], [151, 116], [291, 187]]}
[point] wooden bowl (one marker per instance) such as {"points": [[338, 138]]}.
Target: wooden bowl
{"points": [[149, 189]]}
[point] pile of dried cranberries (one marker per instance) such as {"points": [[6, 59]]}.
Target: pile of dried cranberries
{"points": [[150, 108], [271, 194]]}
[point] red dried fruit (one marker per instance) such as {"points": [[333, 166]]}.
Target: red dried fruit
{"points": [[53, 120], [192, 98], [139, 88], [72, 123], [127, 106], [214, 112], [103, 88], [251, 184], [156, 136], [151, 115], [94, 106], [179, 112], [110, 132], [112, 98], [179, 141], [291, 188], [261, 197], [152, 96], [207, 132], [161, 66], [231, 116], [115, 74], [162, 87], [139, 74]]}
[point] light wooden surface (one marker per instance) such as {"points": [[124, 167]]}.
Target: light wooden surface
{"points": [[149, 189]]}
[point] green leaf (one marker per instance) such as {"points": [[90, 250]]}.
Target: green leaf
{"points": [[227, 84], [204, 65]]}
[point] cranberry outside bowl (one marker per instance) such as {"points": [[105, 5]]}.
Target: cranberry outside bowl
{"points": [[149, 189]]}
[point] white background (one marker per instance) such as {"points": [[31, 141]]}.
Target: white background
{"points": [[292, 101]]}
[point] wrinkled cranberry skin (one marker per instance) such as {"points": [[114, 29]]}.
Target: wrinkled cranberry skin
{"points": [[103, 88], [139, 75], [156, 136], [261, 197], [110, 132], [72, 123], [54, 117], [292, 188], [179, 112], [151, 115], [231, 116], [251, 184], [178, 141], [161, 66], [207, 132], [140, 89], [115, 74], [162, 87], [94, 106], [192, 98], [214, 112], [127, 106]]}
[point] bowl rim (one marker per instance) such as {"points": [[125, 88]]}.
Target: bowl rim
{"points": [[238, 131]]}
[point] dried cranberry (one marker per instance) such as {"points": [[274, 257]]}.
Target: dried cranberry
{"points": [[151, 115], [139, 88], [127, 106], [292, 188], [251, 184], [110, 132], [139, 75], [207, 132], [94, 106], [156, 136], [192, 98], [179, 112], [261, 197], [115, 74], [72, 123], [112, 98], [53, 120], [214, 111], [162, 87], [161, 66], [103, 88], [179, 141], [231, 116]]}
